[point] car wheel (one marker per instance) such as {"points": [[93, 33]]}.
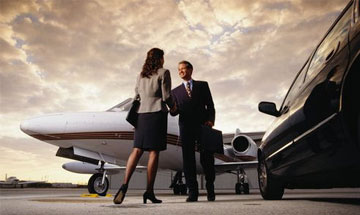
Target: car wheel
{"points": [[270, 188]]}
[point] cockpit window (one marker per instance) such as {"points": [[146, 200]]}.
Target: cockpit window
{"points": [[123, 106]]}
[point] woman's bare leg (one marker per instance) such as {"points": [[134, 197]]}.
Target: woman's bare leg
{"points": [[131, 163], [152, 169]]}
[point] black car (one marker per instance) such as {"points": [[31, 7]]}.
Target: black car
{"points": [[314, 140]]}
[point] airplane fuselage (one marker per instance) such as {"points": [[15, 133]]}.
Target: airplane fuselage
{"points": [[106, 135]]}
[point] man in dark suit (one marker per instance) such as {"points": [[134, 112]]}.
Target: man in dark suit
{"points": [[195, 107]]}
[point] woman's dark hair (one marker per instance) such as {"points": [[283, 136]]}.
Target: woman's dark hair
{"points": [[152, 62]]}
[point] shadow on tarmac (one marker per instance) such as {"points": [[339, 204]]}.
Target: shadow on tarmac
{"points": [[137, 205], [350, 201]]}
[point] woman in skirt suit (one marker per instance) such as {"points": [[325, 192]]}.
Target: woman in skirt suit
{"points": [[153, 89]]}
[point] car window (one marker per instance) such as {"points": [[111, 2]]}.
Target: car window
{"points": [[295, 87], [335, 40]]}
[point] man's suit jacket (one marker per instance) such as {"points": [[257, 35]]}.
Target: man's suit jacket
{"points": [[195, 110], [154, 92]]}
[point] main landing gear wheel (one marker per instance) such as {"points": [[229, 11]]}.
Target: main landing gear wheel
{"points": [[180, 189], [242, 185], [177, 184], [95, 184], [242, 188], [270, 188]]}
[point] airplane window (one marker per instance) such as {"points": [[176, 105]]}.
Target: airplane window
{"points": [[335, 40]]}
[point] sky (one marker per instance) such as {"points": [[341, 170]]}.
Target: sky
{"points": [[84, 55]]}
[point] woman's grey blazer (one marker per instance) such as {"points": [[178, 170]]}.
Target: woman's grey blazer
{"points": [[154, 92]]}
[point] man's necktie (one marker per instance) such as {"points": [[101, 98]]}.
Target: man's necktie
{"points": [[188, 90]]}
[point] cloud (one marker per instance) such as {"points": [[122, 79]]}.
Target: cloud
{"points": [[78, 56], [200, 15], [10, 9]]}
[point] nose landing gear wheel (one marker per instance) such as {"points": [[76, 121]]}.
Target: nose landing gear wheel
{"points": [[95, 184]]}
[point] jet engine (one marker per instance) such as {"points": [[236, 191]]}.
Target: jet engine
{"points": [[244, 147]]}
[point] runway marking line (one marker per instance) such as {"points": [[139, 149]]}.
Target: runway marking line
{"points": [[76, 201], [87, 195], [92, 195]]}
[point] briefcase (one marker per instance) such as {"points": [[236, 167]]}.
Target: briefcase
{"points": [[133, 115], [211, 140]]}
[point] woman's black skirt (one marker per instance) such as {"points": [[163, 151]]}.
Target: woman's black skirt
{"points": [[151, 131]]}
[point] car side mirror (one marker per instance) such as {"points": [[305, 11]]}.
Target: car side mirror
{"points": [[269, 108]]}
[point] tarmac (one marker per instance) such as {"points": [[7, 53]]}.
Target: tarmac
{"points": [[71, 201]]}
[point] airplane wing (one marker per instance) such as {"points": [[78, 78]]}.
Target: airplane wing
{"points": [[232, 166], [88, 168]]}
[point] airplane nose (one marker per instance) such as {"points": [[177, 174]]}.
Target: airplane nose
{"points": [[25, 126], [44, 124], [31, 126]]}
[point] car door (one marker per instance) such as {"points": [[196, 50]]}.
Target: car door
{"points": [[326, 70], [312, 98], [283, 128], [319, 101]]}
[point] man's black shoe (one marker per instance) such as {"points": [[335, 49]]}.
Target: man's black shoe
{"points": [[211, 196], [210, 191], [192, 199]]}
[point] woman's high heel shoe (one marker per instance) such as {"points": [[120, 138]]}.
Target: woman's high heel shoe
{"points": [[151, 196], [120, 195]]}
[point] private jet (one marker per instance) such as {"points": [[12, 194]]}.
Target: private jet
{"points": [[100, 143], [12, 182]]}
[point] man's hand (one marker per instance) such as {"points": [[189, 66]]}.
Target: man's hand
{"points": [[209, 123], [173, 110]]}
